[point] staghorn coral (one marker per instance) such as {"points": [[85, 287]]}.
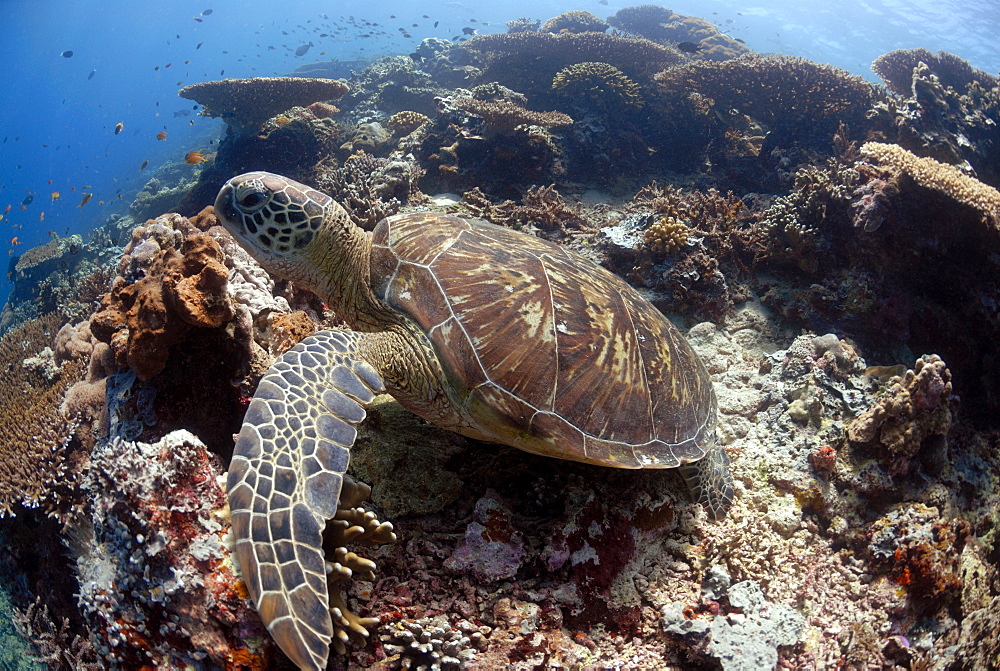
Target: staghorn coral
{"points": [[352, 524], [792, 96], [665, 236], [245, 104], [405, 122], [501, 117], [896, 69], [941, 177], [183, 289], [913, 410], [541, 207], [601, 83], [57, 647], [574, 21], [35, 468]]}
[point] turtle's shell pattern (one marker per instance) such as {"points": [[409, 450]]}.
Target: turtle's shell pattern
{"points": [[545, 350]]}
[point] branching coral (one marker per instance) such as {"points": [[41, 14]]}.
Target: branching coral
{"points": [[372, 188], [501, 117], [942, 177], [601, 83], [665, 236], [913, 409], [542, 207], [788, 94], [247, 103], [405, 122], [896, 70], [574, 21], [34, 468]]}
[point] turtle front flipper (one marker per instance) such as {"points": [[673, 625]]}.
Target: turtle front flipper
{"points": [[710, 481], [285, 480]]}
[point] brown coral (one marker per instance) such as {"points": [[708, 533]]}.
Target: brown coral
{"points": [[602, 83], [666, 235], [574, 21], [245, 104], [932, 174], [541, 207], [502, 117], [896, 70], [405, 122], [913, 409], [185, 289], [788, 94], [663, 25], [34, 465]]}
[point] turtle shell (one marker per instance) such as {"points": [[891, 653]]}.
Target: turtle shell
{"points": [[545, 350]]}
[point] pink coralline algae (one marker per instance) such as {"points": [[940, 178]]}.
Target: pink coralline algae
{"points": [[492, 549]]}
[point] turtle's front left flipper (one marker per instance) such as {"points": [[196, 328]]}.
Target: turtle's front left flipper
{"points": [[285, 480]]}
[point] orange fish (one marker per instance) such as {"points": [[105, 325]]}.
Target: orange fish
{"points": [[55, 196], [6, 209], [193, 157], [14, 241], [41, 217], [86, 199], [161, 135], [50, 181], [100, 202]]}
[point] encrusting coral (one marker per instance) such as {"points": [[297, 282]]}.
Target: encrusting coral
{"points": [[941, 177], [245, 104]]}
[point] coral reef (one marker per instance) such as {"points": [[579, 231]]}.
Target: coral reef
{"points": [[405, 122], [501, 117], [896, 69], [665, 236], [371, 188], [245, 104], [660, 24]]}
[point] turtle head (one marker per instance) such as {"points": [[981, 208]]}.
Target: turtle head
{"points": [[290, 228]]}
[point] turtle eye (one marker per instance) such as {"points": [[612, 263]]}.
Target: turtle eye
{"points": [[252, 196]]}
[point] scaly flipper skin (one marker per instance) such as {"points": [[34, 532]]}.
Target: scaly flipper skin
{"points": [[710, 481], [285, 481]]}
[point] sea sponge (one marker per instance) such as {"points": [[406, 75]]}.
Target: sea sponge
{"points": [[182, 290], [665, 236], [602, 83], [932, 174]]}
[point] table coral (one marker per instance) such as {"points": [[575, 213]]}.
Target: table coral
{"points": [[895, 68], [942, 177], [502, 117], [245, 104], [574, 21], [601, 83]]}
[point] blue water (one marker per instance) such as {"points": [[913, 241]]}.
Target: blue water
{"points": [[57, 121]]}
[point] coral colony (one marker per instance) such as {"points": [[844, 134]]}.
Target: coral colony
{"points": [[829, 247]]}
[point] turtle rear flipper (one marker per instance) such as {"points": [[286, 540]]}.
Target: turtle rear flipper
{"points": [[710, 481], [285, 480]]}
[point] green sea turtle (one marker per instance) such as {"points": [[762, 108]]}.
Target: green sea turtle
{"points": [[485, 331]]}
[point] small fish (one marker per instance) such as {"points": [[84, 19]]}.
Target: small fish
{"points": [[167, 65], [41, 217], [55, 196], [100, 202], [193, 157], [162, 135], [207, 12], [156, 69], [199, 46], [468, 31], [92, 73], [301, 51], [27, 199], [1, 217], [6, 209], [120, 197], [689, 47], [436, 23], [14, 241], [198, 19], [119, 127], [67, 54], [86, 199], [143, 166]]}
